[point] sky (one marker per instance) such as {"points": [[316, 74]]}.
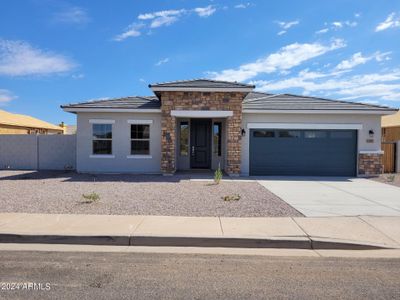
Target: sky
{"points": [[54, 52]]}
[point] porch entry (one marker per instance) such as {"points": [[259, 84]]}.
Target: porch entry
{"points": [[200, 143]]}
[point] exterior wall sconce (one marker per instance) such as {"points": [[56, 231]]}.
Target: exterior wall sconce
{"points": [[243, 132], [371, 133]]}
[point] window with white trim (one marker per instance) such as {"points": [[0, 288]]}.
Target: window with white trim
{"points": [[140, 139], [102, 139]]}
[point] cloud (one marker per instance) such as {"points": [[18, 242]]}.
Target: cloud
{"points": [[323, 30], [205, 12], [6, 96], [19, 58], [162, 61], [132, 30], [242, 5], [385, 86], [78, 76], [336, 25], [72, 15], [285, 26], [391, 21], [341, 24], [162, 18], [286, 58], [359, 59]]}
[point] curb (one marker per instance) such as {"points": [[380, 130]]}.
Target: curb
{"points": [[186, 241]]}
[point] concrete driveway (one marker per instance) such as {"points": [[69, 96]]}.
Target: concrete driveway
{"points": [[325, 196]]}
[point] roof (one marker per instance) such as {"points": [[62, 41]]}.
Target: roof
{"points": [[131, 102], [253, 101], [263, 101], [7, 118], [202, 83], [391, 121]]}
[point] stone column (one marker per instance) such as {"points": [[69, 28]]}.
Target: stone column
{"points": [[168, 128], [370, 164], [233, 149]]}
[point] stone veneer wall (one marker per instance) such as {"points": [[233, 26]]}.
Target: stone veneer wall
{"points": [[201, 101], [370, 164]]}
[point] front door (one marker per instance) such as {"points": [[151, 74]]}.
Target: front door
{"points": [[200, 148]]}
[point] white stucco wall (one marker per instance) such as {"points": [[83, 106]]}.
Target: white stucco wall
{"points": [[121, 144], [369, 122]]}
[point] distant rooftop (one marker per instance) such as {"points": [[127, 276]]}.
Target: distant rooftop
{"points": [[11, 119]]}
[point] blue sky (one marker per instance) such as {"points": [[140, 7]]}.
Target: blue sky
{"points": [[56, 52]]}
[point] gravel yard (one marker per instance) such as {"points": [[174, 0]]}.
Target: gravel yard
{"points": [[392, 179], [61, 192]]}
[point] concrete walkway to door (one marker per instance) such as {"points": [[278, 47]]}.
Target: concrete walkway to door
{"points": [[328, 196]]}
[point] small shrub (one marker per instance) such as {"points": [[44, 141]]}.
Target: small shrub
{"points": [[90, 198], [390, 178], [218, 175], [234, 197]]}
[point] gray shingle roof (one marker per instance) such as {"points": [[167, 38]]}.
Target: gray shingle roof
{"points": [[132, 102], [263, 101], [253, 101], [202, 83]]}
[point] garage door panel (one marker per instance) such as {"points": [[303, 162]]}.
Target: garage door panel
{"points": [[313, 153]]}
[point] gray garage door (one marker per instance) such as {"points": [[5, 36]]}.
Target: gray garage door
{"points": [[303, 152]]}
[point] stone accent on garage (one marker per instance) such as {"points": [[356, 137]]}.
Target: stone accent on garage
{"points": [[370, 164], [172, 100]]}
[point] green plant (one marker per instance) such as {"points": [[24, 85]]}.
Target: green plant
{"points": [[390, 178], [234, 197], [90, 198], [218, 175]]}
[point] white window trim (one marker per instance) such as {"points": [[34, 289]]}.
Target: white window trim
{"points": [[139, 156], [370, 152], [101, 121], [312, 126], [202, 113], [140, 122], [94, 121]]}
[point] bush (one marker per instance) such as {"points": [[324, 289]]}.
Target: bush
{"points": [[90, 198], [234, 197], [218, 175]]}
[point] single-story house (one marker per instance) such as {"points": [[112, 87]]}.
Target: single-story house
{"points": [[391, 128], [203, 124], [22, 124]]}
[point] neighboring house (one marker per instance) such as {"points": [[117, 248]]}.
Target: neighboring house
{"points": [[203, 124], [21, 124], [391, 128], [68, 129]]}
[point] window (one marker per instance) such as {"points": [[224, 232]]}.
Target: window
{"points": [[102, 139], [140, 139], [184, 139], [315, 134], [289, 134], [341, 134], [264, 133], [217, 138]]}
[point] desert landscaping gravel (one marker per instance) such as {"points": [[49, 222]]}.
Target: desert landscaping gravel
{"points": [[392, 179], [61, 192]]}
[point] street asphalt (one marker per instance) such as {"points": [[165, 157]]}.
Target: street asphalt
{"points": [[82, 275]]}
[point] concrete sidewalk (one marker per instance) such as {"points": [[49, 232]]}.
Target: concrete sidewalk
{"points": [[296, 233]]}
